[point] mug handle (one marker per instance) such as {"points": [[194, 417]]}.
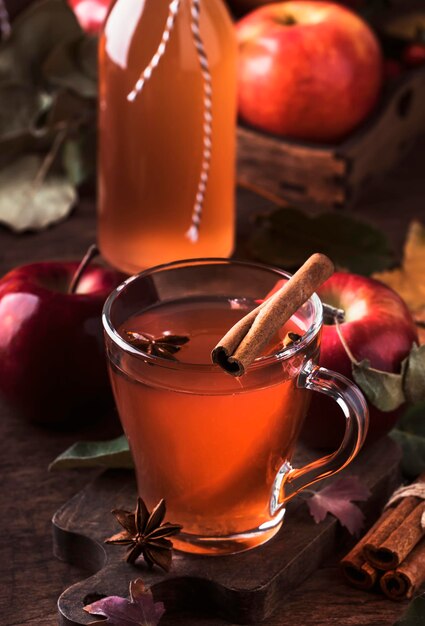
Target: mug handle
{"points": [[290, 481]]}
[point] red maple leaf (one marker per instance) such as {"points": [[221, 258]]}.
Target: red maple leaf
{"points": [[139, 610], [337, 499]]}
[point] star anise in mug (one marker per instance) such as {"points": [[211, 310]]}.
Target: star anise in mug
{"points": [[164, 346], [145, 534], [291, 338]]}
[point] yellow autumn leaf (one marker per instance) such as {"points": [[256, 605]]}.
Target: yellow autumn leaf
{"points": [[409, 279]]}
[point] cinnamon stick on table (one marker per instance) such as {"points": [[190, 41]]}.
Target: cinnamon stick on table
{"points": [[401, 583], [396, 542], [398, 534], [247, 339], [356, 570], [358, 573]]}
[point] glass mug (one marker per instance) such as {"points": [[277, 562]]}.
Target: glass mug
{"points": [[216, 447]]}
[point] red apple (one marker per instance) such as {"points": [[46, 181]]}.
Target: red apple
{"points": [[52, 363], [241, 7], [307, 70], [90, 13], [378, 327]]}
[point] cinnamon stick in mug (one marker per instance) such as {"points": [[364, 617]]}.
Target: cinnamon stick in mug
{"points": [[247, 339], [401, 583]]}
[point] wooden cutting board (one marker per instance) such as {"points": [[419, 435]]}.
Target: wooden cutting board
{"points": [[243, 588]]}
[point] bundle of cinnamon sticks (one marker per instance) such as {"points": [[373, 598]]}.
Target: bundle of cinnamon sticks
{"points": [[391, 555]]}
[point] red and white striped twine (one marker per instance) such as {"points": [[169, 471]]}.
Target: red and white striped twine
{"points": [[154, 62], [5, 26], [193, 232]]}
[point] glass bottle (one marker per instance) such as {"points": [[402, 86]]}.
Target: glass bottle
{"points": [[166, 168]]}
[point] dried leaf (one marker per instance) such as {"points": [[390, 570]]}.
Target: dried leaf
{"points": [[113, 453], [409, 280], [383, 389], [139, 610], [27, 205], [337, 499], [288, 236]]}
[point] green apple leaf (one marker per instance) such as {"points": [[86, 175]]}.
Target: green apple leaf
{"points": [[410, 434], [413, 449], [387, 391], [413, 420], [113, 453], [414, 378], [383, 389], [286, 237], [28, 203], [415, 613]]}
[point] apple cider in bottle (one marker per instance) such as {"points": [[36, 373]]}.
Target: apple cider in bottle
{"points": [[167, 132]]}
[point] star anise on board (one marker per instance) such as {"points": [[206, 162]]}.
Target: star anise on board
{"points": [[164, 346], [145, 534]]}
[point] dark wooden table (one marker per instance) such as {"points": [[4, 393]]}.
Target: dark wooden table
{"points": [[30, 578]]}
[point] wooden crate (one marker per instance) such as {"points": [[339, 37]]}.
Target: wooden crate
{"points": [[326, 177]]}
